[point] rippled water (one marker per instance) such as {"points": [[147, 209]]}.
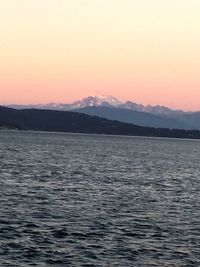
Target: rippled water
{"points": [[80, 200]]}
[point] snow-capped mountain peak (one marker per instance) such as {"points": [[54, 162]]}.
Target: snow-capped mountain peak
{"points": [[96, 100]]}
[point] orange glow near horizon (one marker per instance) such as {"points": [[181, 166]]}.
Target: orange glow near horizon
{"points": [[60, 51]]}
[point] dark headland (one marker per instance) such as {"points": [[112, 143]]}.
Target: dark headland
{"points": [[66, 121]]}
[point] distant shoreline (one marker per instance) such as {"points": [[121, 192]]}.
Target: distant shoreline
{"points": [[98, 134]]}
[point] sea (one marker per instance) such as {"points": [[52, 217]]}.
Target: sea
{"points": [[95, 200]]}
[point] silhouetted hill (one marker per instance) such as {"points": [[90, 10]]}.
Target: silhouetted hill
{"points": [[64, 121]]}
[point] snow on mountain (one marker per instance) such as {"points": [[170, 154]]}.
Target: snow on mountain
{"points": [[132, 106], [161, 110], [156, 110], [96, 100]]}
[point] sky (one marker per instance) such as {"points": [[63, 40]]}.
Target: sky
{"points": [[147, 51]]}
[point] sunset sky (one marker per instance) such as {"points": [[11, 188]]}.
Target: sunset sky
{"points": [[147, 51]]}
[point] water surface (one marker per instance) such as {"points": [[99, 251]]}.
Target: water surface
{"points": [[81, 200]]}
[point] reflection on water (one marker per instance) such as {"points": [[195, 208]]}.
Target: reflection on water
{"points": [[80, 200]]}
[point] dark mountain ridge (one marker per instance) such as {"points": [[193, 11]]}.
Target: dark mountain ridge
{"points": [[65, 121]]}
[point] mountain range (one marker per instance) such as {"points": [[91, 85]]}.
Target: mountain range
{"points": [[129, 112], [101, 100], [74, 122]]}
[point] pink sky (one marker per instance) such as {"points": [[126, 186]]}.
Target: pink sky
{"points": [[60, 51]]}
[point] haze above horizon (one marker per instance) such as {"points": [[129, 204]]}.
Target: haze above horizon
{"points": [[57, 50]]}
